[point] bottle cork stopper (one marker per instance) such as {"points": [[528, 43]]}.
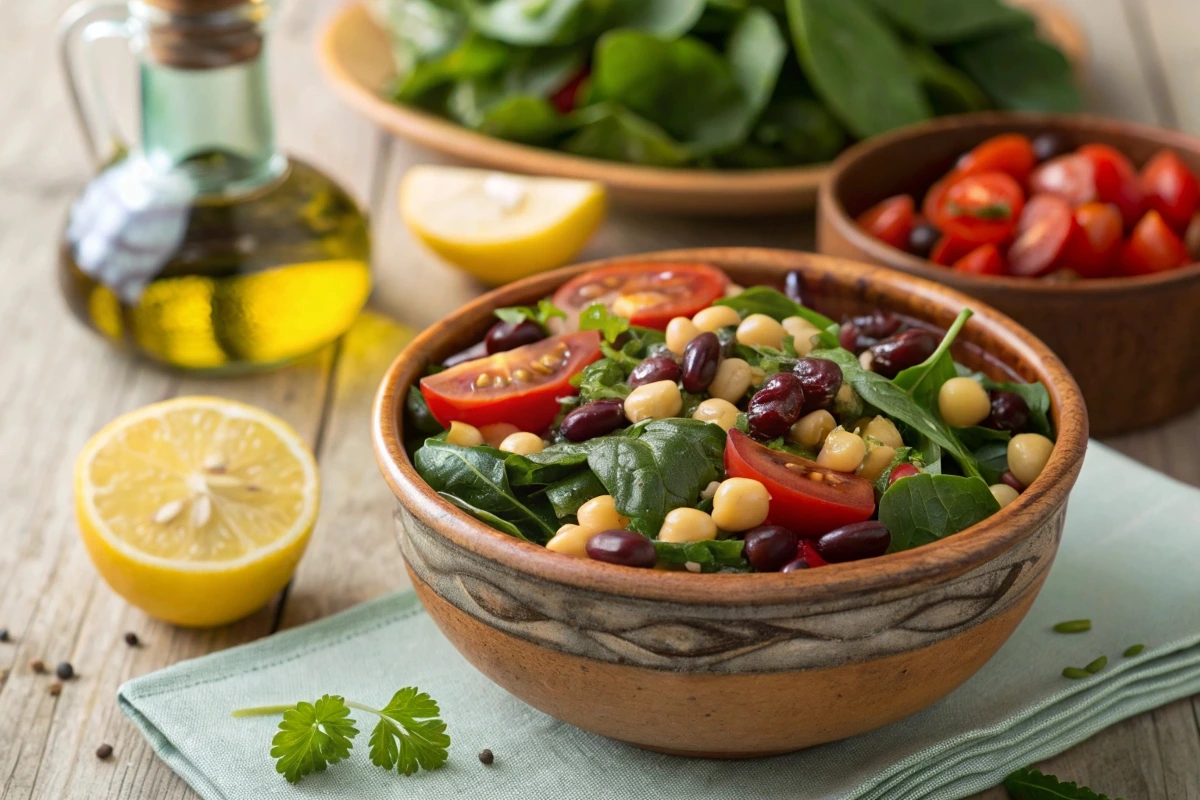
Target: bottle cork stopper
{"points": [[190, 7], [195, 35]]}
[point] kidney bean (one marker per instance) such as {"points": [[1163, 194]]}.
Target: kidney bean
{"points": [[776, 406], [904, 350], [854, 542], [796, 288], [820, 379], [594, 419], [848, 338], [1011, 480], [653, 369], [922, 238], [627, 548], [477, 350], [769, 547], [795, 565], [1048, 145], [505, 336], [878, 324], [700, 359], [1009, 411], [902, 471]]}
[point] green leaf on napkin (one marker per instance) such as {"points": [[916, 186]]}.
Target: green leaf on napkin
{"points": [[1029, 784], [409, 736], [311, 736]]}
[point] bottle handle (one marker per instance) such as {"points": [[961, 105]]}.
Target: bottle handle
{"points": [[85, 23]]}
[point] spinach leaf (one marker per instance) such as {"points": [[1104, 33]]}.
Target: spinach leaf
{"points": [[609, 131], [978, 436], [993, 460], [1020, 72], [558, 22], [948, 21], [715, 555], [949, 90], [629, 472], [473, 57], [857, 65], [924, 508], [477, 476], [924, 380], [543, 313], [554, 463], [665, 18], [568, 494], [417, 414], [421, 29], [597, 317], [1034, 394], [801, 129], [690, 455], [756, 50], [773, 303], [601, 380], [517, 118], [486, 517]]}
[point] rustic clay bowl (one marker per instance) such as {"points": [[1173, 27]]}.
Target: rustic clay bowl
{"points": [[736, 665], [356, 58], [1133, 344]]}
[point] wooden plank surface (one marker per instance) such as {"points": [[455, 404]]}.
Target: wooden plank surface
{"points": [[60, 385]]}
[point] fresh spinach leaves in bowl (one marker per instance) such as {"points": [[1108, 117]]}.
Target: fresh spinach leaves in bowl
{"points": [[716, 83]]}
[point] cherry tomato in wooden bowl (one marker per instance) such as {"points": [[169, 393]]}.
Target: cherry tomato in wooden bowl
{"points": [[1011, 153], [647, 297], [979, 208], [519, 386], [890, 221], [1171, 189], [983, 260], [1096, 252], [1071, 176], [1152, 247], [1044, 233], [1116, 181]]}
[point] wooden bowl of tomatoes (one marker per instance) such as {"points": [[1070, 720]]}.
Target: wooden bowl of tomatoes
{"points": [[1084, 230]]}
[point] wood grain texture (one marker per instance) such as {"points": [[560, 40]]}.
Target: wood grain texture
{"points": [[1144, 62]]}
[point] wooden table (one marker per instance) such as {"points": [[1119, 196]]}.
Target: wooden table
{"points": [[59, 384]]}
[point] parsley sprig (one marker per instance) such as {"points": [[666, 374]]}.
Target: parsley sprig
{"points": [[410, 735], [1029, 784]]}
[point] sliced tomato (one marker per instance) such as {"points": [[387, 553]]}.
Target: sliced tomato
{"points": [[1072, 177], [934, 198], [1170, 189], [1096, 252], [649, 294], [890, 221], [1116, 181], [800, 502], [980, 208], [1010, 153], [983, 260], [808, 551], [519, 386], [1152, 247], [1044, 233], [567, 96], [949, 249]]}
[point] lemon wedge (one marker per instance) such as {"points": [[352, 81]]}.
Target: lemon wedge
{"points": [[496, 226], [196, 510]]}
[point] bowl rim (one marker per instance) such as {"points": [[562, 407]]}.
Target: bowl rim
{"points": [[830, 206], [912, 568]]}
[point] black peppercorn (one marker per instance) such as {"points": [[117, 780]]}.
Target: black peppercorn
{"points": [[64, 671], [103, 751], [3, 634], [132, 639], [37, 665], [486, 756]]}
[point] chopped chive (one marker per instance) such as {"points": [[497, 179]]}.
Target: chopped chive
{"points": [[1133, 650], [1074, 626], [1097, 665], [1075, 673]]}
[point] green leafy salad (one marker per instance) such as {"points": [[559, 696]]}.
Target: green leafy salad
{"points": [[717, 83], [653, 415]]}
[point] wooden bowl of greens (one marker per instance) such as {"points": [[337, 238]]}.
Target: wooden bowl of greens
{"points": [[723, 664], [684, 106]]}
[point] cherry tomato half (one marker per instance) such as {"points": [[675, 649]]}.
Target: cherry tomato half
{"points": [[983, 260], [1072, 177], [649, 294], [566, 97], [949, 249], [1116, 181], [890, 221], [1010, 153], [1044, 232], [799, 502], [1096, 252], [519, 386], [1152, 247], [1170, 189], [980, 208]]}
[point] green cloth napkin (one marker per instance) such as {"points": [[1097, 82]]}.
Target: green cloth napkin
{"points": [[1129, 561]]}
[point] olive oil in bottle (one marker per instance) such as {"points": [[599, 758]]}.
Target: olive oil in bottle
{"points": [[205, 248]]}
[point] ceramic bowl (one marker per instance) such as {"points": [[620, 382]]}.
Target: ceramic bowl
{"points": [[735, 665], [1133, 344], [356, 58]]}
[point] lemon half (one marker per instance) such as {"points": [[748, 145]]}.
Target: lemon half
{"points": [[196, 510], [496, 226]]}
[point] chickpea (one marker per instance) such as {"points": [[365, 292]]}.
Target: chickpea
{"points": [[731, 381], [497, 432], [718, 412], [842, 451], [866, 359], [883, 430], [571, 540], [714, 317], [680, 331], [877, 460], [657, 400], [740, 504], [600, 514], [522, 443], [963, 402], [1027, 456], [464, 435], [1003, 493], [811, 429], [733, 290], [710, 490], [760, 330], [687, 525], [802, 331]]}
